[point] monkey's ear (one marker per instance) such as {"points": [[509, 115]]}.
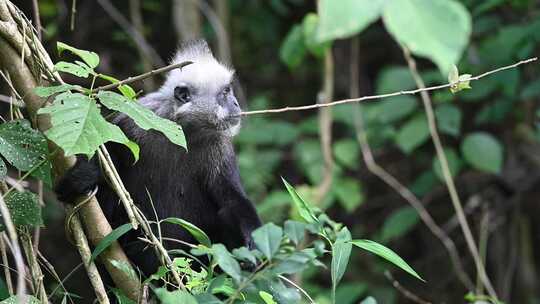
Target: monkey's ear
{"points": [[192, 50]]}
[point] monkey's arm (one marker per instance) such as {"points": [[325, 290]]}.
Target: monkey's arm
{"points": [[235, 209], [79, 180]]}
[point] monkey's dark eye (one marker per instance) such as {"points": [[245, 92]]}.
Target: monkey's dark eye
{"points": [[227, 90], [182, 94]]}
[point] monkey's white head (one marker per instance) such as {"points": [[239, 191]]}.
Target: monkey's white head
{"points": [[201, 94]]}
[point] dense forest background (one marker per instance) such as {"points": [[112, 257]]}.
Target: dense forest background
{"points": [[491, 135]]}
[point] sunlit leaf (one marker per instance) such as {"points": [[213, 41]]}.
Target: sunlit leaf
{"points": [[305, 211], [226, 262], [24, 209], [267, 298], [143, 117], [79, 128], [90, 58], [195, 231], [386, 254], [345, 18], [341, 252], [26, 149], [267, 239], [109, 239], [440, 29]]}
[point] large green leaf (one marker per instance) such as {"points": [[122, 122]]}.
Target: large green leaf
{"points": [[267, 239], [90, 58], [19, 300], [305, 211], [79, 128], [295, 231], [109, 239], [174, 297], [24, 209], [195, 231], [48, 91], [293, 49], [226, 262], [385, 253], [349, 193], [26, 149], [341, 252], [413, 134], [448, 119], [143, 117], [483, 151], [345, 18], [399, 223], [72, 68], [435, 29]]}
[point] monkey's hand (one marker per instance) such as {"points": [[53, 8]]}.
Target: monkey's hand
{"points": [[79, 180]]}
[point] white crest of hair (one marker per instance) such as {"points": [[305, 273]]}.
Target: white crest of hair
{"points": [[205, 73]]}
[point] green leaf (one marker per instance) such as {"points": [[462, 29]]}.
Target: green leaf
{"points": [[369, 300], [72, 68], [386, 254], [267, 298], [394, 108], [109, 239], [448, 119], [293, 49], [305, 211], [245, 254], [294, 263], [48, 91], [143, 117], [295, 231], [454, 164], [90, 58], [346, 152], [424, 27], [341, 252], [24, 209], [309, 25], [399, 223], [267, 239], [3, 169], [79, 128], [174, 297], [413, 134], [26, 149], [125, 89], [349, 193], [206, 298], [195, 231], [346, 18], [19, 300], [125, 267], [226, 262], [483, 151]]}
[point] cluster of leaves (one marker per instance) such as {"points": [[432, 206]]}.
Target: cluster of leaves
{"points": [[78, 126], [278, 251]]}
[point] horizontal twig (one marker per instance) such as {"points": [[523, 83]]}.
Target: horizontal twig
{"points": [[381, 96], [142, 76]]}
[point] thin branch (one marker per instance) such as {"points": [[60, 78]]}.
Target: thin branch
{"points": [[135, 35], [404, 291], [5, 263], [138, 23], [35, 269], [325, 126], [456, 202], [142, 76], [37, 19], [297, 287], [15, 249], [394, 183], [372, 97]]}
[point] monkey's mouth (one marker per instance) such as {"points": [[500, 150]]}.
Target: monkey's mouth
{"points": [[228, 122]]}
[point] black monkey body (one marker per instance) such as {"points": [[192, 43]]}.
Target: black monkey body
{"points": [[201, 185]]}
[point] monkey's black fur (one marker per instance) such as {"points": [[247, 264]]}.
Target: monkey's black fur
{"points": [[201, 185]]}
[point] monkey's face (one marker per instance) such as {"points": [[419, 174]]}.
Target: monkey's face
{"points": [[203, 99]]}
